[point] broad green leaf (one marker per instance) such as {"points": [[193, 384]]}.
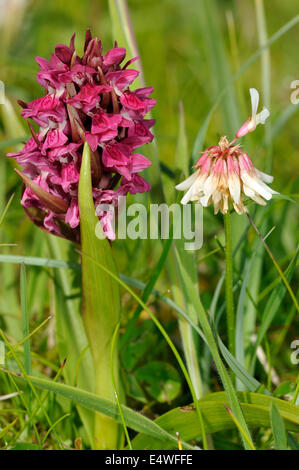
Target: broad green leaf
{"points": [[134, 420], [191, 293], [255, 408]]}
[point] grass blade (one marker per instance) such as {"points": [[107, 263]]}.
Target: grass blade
{"points": [[272, 307], [70, 333]]}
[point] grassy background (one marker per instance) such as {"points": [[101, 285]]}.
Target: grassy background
{"points": [[189, 51]]}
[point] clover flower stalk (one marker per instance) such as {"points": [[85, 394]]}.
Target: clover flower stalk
{"points": [[224, 175], [87, 101]]}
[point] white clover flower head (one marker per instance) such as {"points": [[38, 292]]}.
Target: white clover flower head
{"points": [[256, 118]]}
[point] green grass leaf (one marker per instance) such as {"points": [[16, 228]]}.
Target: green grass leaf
{"points": [[255, 408], [25, 326], [272, 306]]}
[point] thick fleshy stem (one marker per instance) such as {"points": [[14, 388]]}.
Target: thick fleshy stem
{"points": [[229, 297], [100, 308]]}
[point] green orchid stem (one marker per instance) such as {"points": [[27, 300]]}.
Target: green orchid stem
{"points": [[229, 296], [100, 308], [106, 430]]}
